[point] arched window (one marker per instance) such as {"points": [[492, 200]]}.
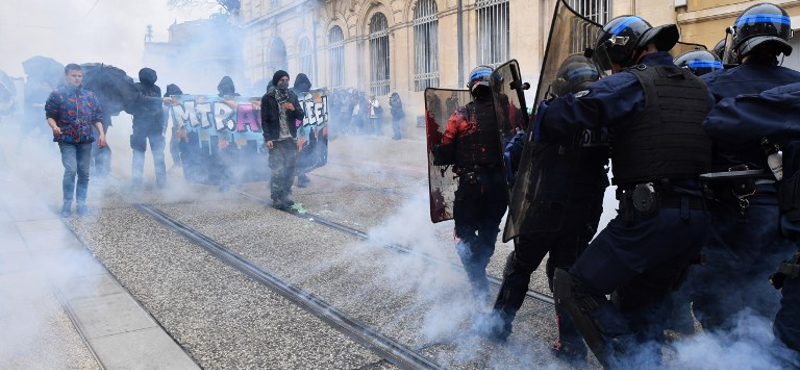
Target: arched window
{"points": [[305, 57], [426, 42], [493, 32], [336, 55], [379, 54], [276, 59]]}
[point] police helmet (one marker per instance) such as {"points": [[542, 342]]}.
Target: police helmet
{"points": [[623, 38], [762, 25], [575, 74], [479, 77], [699, 61]]}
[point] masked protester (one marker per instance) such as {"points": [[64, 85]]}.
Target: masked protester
{"points": [[148, 126], [397, 116], [584, 207], [744, 246], [226, 87], [71, 112], [174, 149], [653, 112], [471, 144], [279, 111], [301, 86]]}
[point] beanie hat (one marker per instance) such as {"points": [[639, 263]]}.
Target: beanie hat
{"points": [[278, 75]]}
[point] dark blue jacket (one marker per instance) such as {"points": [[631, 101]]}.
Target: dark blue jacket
{"points": [[753, 77], [613, 102], [744, 119]]}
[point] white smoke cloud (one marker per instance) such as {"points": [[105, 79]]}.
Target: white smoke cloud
{"points": [[85, 31]]}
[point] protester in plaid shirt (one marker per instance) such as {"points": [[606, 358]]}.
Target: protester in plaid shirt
{"points": [[71, 111]]}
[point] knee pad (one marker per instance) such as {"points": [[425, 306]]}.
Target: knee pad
{"points": [[571, 296]]}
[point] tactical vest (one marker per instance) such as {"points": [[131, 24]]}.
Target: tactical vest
{"points": [[481, 148], [591, 173], [667, 140]]}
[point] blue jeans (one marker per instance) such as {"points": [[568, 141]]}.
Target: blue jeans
{"points": [[76, 159], [139, 145]]}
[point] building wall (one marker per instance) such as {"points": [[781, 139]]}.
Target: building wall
{"points": [[704, 21]]}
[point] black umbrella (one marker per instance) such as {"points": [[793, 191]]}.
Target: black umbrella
{"points": [[113, 87], [44, 69]]}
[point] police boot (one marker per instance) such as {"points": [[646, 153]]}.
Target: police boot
{"points": [[595, 318]]}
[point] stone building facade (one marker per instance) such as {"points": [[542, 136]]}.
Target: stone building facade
{"points": [[383, 46]]}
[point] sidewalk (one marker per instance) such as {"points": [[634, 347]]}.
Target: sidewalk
{"points": [[59, 307]]}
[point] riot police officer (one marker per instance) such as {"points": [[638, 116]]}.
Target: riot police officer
{"points": [[653, 112], [584, 207], [471, 143], [699, 61], [745, 246], [768, 114]]}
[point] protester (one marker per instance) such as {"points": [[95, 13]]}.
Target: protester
{"points": [[71, 111]]}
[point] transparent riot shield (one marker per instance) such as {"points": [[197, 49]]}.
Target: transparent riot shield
{"points": [[509, 100], [440, 104], [546, 171]]}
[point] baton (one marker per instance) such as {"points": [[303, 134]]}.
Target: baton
{"points": [[733, 175]]}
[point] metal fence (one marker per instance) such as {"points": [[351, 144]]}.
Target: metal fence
{"points": [[426, 43]]}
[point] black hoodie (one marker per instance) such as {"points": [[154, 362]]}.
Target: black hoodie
{"points": [[226, 87], [301, 84], [148, 112]]}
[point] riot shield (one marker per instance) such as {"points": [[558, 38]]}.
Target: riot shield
{"points": [[509, 100], [546, 171], [439, 106], [570, 33]]}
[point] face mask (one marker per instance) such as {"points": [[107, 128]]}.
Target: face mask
{"points": [[283, 85]]}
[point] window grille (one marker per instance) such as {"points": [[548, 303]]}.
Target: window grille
{"points": [[336, 54], [426, 42], [379, 54], [595, 10], [493, 32], [305, 57], [585, 35]]}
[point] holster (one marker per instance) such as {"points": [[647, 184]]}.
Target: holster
{"points": [[742, 187], [642, 202], [786, 270]]}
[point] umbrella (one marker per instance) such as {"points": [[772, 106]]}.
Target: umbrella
{"points": [[113, 87], [43, 69]]}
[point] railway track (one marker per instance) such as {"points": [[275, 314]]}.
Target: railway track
{"points": [[386, 347]]}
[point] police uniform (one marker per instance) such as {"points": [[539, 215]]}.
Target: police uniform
{"points": [[653, 114], [584, 205], [768, 114], [471, 142], [744, 247]]}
